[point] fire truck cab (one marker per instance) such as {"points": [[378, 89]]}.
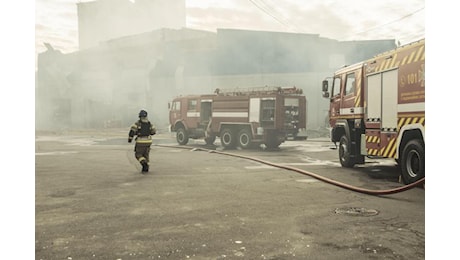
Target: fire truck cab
{"points": [[377, 109], [242, 118]]}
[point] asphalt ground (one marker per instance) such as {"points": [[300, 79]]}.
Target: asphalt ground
{"points": [[92, 202]]}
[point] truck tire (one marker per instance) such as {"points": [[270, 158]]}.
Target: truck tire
{"points": [[227, 138], [181, 136], [272, 143], [244, 138], [210, 139], [344, 153], [413, 162]]}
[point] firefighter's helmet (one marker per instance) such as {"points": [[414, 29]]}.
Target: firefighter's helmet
{"points": [[143, 113]]}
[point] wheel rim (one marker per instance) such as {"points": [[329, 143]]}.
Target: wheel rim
{"points": [[226, 138], [413, 164], [180, 136], [244, 139]]}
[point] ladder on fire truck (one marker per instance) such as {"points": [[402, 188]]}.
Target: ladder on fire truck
{"points": [[266, 90]]}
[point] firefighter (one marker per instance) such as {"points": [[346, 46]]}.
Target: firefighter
{"points": [[143, 130]]}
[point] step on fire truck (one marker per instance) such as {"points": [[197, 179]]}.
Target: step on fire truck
{"points": [[377, 109], [240, 117]]}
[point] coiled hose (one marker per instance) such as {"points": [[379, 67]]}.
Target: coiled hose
{"points": [[316, 176]]}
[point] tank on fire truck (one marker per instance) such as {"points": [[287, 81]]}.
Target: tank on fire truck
{"points": [[240, 117], [377, 109]]}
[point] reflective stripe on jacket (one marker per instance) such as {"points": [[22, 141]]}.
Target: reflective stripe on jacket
{"points": [[144, 139]]}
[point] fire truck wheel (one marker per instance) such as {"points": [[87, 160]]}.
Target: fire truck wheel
{"points": [[244, 138], [413, 162], [272, 143], [181, 136], [227, 138], [344, 153], [210, 139]]}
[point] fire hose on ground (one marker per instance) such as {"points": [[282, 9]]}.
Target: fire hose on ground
{"points": [[304, 172]]}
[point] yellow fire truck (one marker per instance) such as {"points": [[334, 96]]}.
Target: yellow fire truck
{"points": [[240, 117], [377, 109]]}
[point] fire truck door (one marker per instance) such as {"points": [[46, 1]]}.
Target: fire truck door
{"points": [[374, 98], [206, 111], [389, 100], [381, 118], [382, 99], [175, 111], [347, 108], [336, 98]]}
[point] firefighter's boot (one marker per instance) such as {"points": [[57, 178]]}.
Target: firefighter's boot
{"points": [[145, 166]]}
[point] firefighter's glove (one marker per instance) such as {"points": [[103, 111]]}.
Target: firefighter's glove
{"points": [[130, 140]]}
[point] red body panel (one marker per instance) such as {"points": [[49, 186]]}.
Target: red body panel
{"points": [[276, 111]]}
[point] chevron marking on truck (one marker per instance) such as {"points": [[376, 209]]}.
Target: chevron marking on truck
{"points": [[372, 139], [410, 119], [358, 90], [389, 150], [414, 56]]}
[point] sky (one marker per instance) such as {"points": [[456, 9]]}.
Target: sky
{"points": [[56, 20]]}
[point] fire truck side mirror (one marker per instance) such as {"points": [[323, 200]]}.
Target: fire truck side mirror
{"points": [[325, 85]]}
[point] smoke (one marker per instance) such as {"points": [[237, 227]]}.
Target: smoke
{"points": [[125, 65]]}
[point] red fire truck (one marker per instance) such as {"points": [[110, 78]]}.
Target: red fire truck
{"points": [[377, 109], [240, 117]]}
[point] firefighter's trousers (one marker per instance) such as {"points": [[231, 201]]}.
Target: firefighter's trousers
{"points": [[142, 151]]}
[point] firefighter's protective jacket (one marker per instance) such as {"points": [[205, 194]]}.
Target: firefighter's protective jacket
{"points": [[143, 130]]}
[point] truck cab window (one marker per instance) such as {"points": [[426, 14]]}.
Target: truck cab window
{"points": [[351, 84], [175, 106], [191, 105], [336, 87]]}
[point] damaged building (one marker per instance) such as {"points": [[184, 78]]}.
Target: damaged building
{"points": [[107, 82]]}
